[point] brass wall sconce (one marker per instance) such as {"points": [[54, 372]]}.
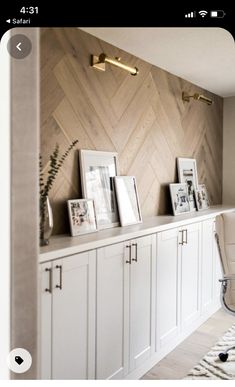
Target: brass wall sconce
{"points": [[198, 97], [98, 62]]}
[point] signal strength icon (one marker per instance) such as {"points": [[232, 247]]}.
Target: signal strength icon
{"points": [[203, 13], [190, 14]]}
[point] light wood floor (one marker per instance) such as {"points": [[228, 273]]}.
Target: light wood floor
{"points": [[186, 355]]}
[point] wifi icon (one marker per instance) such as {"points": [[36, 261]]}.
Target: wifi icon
{"points": [[203, 13]]}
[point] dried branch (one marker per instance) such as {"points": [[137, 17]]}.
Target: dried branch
{"points": [[46, 183]]}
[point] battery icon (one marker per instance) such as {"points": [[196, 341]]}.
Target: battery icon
{"points": [[218, 13]]}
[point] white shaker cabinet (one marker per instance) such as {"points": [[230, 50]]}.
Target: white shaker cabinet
{"points": [[178, 282], [125, 306], [114, 303], [142, 300], [112, 312], [167, 287], [45, 300], [68, 317], [189, 276]]}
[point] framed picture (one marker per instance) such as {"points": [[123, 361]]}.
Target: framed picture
{"points": [[187, 173], [81, 216], [97, 172], [201, 196], [179, 198], [128, 200]]}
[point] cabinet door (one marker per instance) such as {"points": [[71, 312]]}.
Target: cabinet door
{"points": [[73, 317], [112, 311], [142, 300], [167, 286], [207, 271], [45, 319], [190, 275]]}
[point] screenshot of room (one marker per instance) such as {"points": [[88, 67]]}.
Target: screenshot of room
{"points": [[117, 195]]}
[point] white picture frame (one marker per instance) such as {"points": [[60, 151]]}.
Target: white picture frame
{"points": [[179, 198], [82, 216], [97, 169], [201, 197], [187, 173], [128, 200]]}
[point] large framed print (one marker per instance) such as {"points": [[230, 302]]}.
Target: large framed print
{"points": [[187, 173], [97, 171], [179, 198], [128, 200]]}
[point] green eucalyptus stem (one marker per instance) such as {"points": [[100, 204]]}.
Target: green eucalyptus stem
{"points": [[45, 186]]}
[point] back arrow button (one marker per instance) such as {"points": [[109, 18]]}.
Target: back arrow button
{"points": [[18, 46]]}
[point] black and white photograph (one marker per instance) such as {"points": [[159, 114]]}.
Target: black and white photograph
{"points": [[81, 216], [97, 171], [201, 196], [187, 173], [128, 201], [179, 198]]}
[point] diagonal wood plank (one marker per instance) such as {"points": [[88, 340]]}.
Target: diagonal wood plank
{"points": [[127, 156], [128, 89], [133, 113], [71, 126], [81, 105], [142, 117]]}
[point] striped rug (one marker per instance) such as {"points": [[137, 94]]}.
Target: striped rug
{"points": [[210, 367]]}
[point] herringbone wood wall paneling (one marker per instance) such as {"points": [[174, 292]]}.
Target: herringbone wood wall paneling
{"points": [[143, 118]]}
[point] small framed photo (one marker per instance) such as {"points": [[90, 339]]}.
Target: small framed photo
{"points": [[201, 196], [97, 172], [187, 173], [128, 200], [81, 216], [179, 198]]}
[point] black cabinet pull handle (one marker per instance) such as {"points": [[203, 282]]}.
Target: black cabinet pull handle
{"points": [[135, 245], [182, 237], [60, 284], [129, 261], [185, 237], [49, 289]]}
